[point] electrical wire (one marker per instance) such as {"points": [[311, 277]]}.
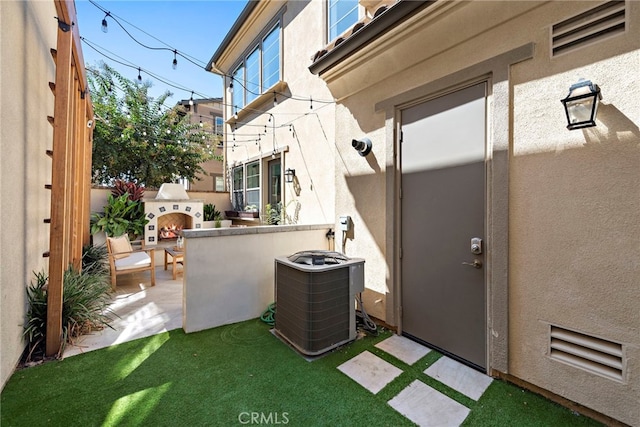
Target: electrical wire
{"points": [[168, 48], [199, 63], [368, 324]]}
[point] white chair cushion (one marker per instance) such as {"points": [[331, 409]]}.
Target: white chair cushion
{"points": [[134, 260]]}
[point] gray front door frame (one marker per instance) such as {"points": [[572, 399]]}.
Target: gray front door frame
{"points": [[443, 157], [496, 72]]}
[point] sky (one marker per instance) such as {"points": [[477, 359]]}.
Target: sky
{"points": [[193, 28]]}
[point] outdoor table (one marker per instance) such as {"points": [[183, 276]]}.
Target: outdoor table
{"points": [[177, 257]]}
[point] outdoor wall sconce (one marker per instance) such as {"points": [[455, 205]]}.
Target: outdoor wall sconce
{"points": [[289, 174], [362, 145], [581, 105]]}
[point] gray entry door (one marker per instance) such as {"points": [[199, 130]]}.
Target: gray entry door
{"points": [[443, 209]]}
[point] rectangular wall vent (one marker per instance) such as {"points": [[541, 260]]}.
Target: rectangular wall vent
{"points": [[595, 24], [589, 353]]}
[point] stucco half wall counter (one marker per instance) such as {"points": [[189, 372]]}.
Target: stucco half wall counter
{"points": [[229, 272]]}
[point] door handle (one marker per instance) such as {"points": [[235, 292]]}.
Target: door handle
{"points": [[475, 264]]}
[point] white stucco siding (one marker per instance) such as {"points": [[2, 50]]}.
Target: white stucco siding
{"points": [[27, 32], [574, 235], [305, 134], [573, 196]]}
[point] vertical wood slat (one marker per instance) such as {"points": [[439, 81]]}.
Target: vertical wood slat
{"points": [[58, 238], [87, 148], [71, 167], [75, 250]]}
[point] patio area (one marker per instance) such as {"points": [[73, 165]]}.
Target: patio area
{"points": [[140, 311]]}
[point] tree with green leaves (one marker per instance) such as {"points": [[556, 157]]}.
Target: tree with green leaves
{"points": [[138, 139]]}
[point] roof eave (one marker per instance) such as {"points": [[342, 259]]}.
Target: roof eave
{"points": [[387, 20]]}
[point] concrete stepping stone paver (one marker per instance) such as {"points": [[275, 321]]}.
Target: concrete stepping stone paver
{"points": [[459, 377], [370, 371], [426, 406], [403, 349]]}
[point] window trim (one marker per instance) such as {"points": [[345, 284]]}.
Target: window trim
{"points": [[257, 44], [263, 161]]}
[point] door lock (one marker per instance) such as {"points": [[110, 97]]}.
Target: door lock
{"points": [[476, 246], [475, 264]]}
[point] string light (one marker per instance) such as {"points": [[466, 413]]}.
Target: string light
{"points": [[191, 102], [188, 58], [174, 65], [91, 45], [139, 76], [105, 26], [275, 99]]}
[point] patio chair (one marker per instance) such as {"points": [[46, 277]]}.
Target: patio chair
{"points": [[123, 259]]}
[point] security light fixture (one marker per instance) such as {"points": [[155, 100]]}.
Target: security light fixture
{"points": [[362, 146], [581, 104], [289, 174]]}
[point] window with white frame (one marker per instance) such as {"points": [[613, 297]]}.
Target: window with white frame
{"points": [[253, 184], [258, 71], [342, 14], [219, 125], [252, 82], [271, 58], [237, 98], [238, 187]]}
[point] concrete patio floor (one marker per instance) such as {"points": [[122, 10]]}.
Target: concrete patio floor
{"points": [[142, 310]]}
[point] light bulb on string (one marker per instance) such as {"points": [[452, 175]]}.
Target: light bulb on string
{"points": [[105, 25], [139, 75], [201, 124], [174, 65], [310, 103], [275, 99], [231, 86], [191, 102]]}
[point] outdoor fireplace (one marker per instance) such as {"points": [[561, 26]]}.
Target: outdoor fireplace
{"points": [[170, 212]]}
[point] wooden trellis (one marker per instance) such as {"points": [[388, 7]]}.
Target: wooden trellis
{"points": [[70, 186]]}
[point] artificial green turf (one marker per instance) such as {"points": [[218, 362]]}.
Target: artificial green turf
{"points": [[227, 375]]}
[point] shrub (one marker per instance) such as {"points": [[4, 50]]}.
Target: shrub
{"points": [[121, 215], [133, 190], [85, 300], [210, 213], [95, 260]]}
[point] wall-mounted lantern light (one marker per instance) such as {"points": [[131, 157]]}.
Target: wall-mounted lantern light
{"points": [[581, 105], [289, 174]]}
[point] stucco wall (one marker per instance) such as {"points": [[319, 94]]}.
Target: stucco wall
{"points": [[304, 133], [27, 32], [229, 273], [574, 229], [573, 196]]}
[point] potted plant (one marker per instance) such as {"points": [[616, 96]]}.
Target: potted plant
{"points": [[212, 218], [250, 211], [124, 212], [121, 215], [209, 215], [273, 213]]}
